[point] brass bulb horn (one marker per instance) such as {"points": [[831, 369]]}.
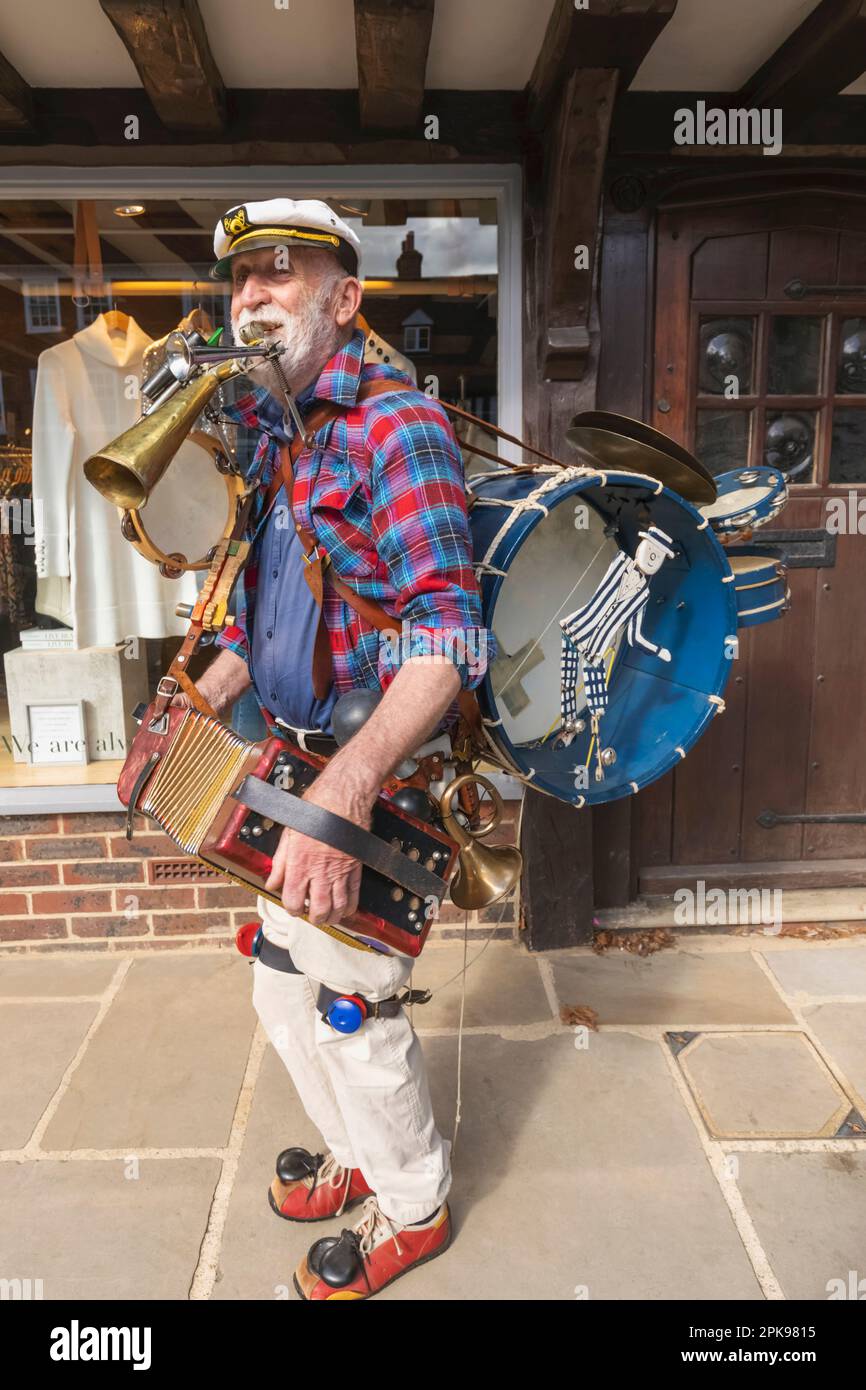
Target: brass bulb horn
{"points": [[485, 873], [128, 469]]}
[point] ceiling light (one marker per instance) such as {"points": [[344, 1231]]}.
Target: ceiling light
{"points": [[129, 210]]}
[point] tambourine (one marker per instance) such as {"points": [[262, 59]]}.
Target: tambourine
{"points": [[189, 510]]}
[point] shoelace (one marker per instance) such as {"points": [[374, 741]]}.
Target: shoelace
{"points": [[331, 1172], [373, 1225]]}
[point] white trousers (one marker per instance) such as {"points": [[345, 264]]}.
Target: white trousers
{"points": [[365, 1092]]}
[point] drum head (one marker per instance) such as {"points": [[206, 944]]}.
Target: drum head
{"points": [[541, 555], [616, 441], [748, 498], [556, 571], [186, 512]]}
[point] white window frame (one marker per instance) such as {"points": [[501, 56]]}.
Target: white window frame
{"points": [[41, 288], [420, 335], [502, 182], [105, 302]]}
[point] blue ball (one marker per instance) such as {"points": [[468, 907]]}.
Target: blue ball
{"points": [[345, 1016]]}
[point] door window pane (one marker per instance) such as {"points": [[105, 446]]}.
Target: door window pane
{"points": [[794, 362], [789, 443], [851, 367], [848, 448], [723, 439], [725, 364]]}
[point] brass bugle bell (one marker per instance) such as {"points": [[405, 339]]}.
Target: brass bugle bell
{"points": [[485, 873], [127, 470]]}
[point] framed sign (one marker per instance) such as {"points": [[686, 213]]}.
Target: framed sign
{"points": [[56, 732]]}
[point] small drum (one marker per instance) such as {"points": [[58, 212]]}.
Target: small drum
{"points": [[760, 584], [543, 542], [748, 498]]}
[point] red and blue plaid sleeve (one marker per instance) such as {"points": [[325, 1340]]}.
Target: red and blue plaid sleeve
{"points": [[234, 638], [420, 528]]}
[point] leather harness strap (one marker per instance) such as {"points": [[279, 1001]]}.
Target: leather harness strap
{"points": [[317, 565]]}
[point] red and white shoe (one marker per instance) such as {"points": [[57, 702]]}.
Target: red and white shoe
{"points": [[357, 1264], [312, 1187]]}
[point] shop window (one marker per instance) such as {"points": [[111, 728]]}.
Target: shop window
{"points": [[60, 644], [42, 306]]}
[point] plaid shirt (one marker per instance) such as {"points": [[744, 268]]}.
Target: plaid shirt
{"points": [[382, 490]]}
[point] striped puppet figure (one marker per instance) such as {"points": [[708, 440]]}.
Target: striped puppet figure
{"points": [[590, 631]]}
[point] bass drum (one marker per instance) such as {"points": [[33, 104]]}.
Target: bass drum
{"points": [[542, 543]]}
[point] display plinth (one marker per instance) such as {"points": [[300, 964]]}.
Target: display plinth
{"points": [[109, 681]]}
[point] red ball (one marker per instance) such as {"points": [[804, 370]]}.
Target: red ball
{"points": [[245, 936]]}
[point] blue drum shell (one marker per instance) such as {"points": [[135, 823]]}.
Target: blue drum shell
{"points": [[760, 584], [657, 710]]}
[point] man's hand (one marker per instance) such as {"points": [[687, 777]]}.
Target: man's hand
{"points": [[224, 682], [309, 871], [303, 868]]}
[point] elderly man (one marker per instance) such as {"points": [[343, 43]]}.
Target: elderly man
{"points": [[381, 490]]}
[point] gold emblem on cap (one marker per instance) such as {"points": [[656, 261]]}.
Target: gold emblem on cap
{"points": [[236, 221]]}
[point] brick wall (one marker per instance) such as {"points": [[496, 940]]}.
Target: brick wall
{"points": [[71, 881]]}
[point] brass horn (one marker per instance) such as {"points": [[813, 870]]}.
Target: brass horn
{"points": [[485, 873], [128, 469]]}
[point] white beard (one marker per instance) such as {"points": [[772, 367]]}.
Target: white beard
{"points": [[310, 338]]}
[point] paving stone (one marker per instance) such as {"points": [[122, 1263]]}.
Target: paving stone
{"points": [[260, 1251], [37, 1043], [571, 1168], [763, 1085], [815, 971], [503, 986], [841, 1030], [677, 988], [55, 976], [165, 1067], [87, 1231], [810, 1217]]}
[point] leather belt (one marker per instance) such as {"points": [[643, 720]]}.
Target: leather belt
{"points": [[311, 743], [278, 958]]}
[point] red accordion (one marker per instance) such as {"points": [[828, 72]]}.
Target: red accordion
{"points": [[188, 772]]}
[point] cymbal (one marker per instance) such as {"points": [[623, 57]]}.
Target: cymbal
{"points": [[620, 443]]}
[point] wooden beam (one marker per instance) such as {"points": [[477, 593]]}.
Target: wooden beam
{"points": [[167, 42], [268, 126], [392, 38], [607, 34], [16, 99], [578, 149], [556, 884], [823, 56]]}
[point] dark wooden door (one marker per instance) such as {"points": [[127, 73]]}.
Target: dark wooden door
{"points": [[746, 372]]}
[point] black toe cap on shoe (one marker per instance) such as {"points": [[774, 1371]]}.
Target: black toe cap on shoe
{"points": [[294, 1164], [336, 1260]]}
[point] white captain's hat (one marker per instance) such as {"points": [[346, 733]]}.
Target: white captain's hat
{"points": [[283, 222]]}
